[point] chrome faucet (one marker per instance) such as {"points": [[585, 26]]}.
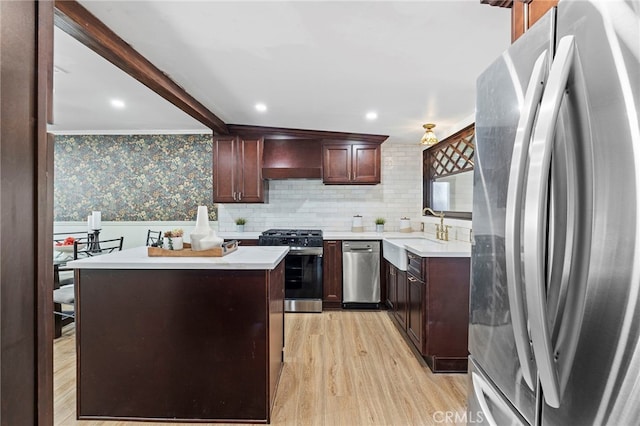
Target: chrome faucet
{"points": [[442, 230]]}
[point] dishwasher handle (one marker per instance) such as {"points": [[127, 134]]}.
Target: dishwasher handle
{"points": [[361, 246]]}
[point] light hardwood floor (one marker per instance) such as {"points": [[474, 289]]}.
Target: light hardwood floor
{"points": [[341, 368]]}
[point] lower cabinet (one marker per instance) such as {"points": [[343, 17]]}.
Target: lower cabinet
{"points": [[391, 273], [402, 301], [332, 274], [415, 314], [430, 303], [397, 294]]}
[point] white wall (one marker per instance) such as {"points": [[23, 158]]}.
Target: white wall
{"points": [[303, 203]]}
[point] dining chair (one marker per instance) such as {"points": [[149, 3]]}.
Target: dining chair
{"points": [[64, 295], [59, 237], [154, 238], [63, 298], [97, 248], [66, 251]]}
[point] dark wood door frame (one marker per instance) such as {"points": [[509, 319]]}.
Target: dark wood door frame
{"points": [[26, 306], [44, 218], [78, 22]]}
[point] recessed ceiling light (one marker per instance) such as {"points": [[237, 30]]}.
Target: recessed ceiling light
{"points": [[117, 103], [261, 107], [371, 115]]}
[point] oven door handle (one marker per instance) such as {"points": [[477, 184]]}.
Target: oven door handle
{"points": [[305, 251]]}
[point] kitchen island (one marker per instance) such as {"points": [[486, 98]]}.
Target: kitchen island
{"points": [[187, 339]]}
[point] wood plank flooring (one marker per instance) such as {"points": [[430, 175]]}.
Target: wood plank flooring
{"points": [[341, 368]]}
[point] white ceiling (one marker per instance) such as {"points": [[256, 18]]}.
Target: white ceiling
{"points": [[318, 65]]}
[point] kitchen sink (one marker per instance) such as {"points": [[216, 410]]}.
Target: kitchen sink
{"points": [[394, 249]]}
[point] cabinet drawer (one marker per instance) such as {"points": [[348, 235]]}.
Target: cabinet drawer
{"points": [[414, 265]]}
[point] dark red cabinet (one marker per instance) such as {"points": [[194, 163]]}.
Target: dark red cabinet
{"points": [[397, 301], [526, 13], [430, 304], [415, 314], [439, 310], [202, 344], [237, 170], [332, 275], [392, 286], [351, 163]]}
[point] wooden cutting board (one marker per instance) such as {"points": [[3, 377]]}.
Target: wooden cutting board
{"points": [[226, 248]]}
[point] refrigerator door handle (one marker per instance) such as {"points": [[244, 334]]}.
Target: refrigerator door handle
{"points": [[482, 388], [514, 217], [485, 393], [535, 219]]}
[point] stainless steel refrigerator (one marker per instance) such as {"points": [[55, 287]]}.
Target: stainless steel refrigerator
{"points": [[554, 334]]}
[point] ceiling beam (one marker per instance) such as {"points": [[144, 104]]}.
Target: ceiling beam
{"points": [[74, 19]]}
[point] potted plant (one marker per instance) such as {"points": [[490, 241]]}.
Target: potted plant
{"points": [[380, 224], [240, 222], [173, 239]]}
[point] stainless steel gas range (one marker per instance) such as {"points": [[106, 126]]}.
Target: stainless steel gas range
{"points": [[303, 267]]}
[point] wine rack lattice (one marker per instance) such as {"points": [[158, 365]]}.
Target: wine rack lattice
{"points": [[453, 155]]}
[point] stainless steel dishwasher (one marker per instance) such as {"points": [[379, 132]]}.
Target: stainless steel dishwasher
{"points": [[361, 274]]}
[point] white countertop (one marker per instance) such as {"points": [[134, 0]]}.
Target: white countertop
{"points": [[348, 235], [416, 242], [247, 258], [425, 248]]}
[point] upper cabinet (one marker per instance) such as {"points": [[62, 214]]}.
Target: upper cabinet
{"points": [[351, 163], [524, 13], [244, 161], [237, 170]]}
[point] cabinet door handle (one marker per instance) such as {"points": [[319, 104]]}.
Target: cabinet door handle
{"points": [[239, 196], [411, 278], [234, 196]]}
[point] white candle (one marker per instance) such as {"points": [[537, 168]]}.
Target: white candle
{"points": [[97, 220], [89, 223]]}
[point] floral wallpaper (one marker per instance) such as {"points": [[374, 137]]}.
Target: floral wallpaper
{"points": [[133, 177]]}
